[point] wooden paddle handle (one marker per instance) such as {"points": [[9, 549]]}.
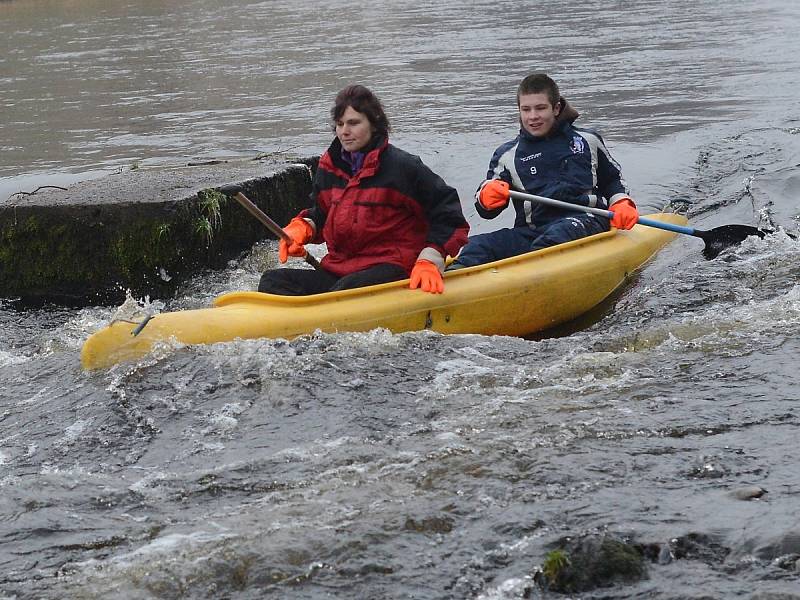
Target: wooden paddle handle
{"points": [[271, 225]]}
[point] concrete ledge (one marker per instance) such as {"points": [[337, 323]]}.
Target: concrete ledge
{"points": [[146, 230]]}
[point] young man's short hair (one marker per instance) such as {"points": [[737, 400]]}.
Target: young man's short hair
{"points": [[539, 83]]}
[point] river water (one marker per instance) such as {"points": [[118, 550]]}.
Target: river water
{"points": [[417, 465]]}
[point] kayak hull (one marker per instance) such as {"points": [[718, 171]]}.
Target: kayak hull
{"points": [[515, 296]]}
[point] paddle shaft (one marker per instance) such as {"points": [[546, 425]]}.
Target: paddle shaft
{"points": [[603, 213], [271, 225]]}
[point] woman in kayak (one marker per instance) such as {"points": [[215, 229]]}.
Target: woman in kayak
{"points": [[383, 214], [550, 157]]}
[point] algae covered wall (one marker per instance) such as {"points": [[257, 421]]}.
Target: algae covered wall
{"points": [[81, 253]]}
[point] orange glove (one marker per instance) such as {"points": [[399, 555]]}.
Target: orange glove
{"points": [[301, 232], [426, 275], [625, 214], [494, 194]]}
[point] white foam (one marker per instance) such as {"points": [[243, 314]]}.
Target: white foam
{"points": [[75, 431], [8, 359], [508, 589]]}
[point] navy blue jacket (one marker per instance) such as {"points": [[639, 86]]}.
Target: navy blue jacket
{"points": [[570, 164]]}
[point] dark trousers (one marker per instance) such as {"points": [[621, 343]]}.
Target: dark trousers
{"points": [[504, 243], [304, 282]]}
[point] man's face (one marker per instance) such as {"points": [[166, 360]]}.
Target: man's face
{"points": [[353, 130], [537, 114]]}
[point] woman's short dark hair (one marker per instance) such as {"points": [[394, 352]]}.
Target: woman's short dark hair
{"points": [[361, 99]]}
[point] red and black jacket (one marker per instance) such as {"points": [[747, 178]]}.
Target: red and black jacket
{"points": [[388, 212]]}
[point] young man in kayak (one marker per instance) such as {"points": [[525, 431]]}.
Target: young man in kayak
{"points": [[383, 214], [550, 157]]}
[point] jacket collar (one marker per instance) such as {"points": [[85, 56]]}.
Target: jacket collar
{"points": [[371, 161]]}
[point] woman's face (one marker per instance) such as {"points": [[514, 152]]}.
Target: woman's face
{"points": [[354, 130]]}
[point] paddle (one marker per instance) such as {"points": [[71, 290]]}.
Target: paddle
{"points": [[716, 239], [235, 192]]}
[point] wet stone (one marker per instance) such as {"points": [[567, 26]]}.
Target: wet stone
{"points": [[592, 562], [787, 562], [751, 492], [429, 525], [784, 545], [698, 546], [656, 553]]}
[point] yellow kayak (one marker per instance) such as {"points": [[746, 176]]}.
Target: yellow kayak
{"points": [[514, 296]]}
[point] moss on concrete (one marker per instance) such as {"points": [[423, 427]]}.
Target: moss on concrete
{"points": [[88, 252]]}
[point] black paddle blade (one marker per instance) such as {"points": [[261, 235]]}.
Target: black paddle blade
{"points": [[720, 238]]}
